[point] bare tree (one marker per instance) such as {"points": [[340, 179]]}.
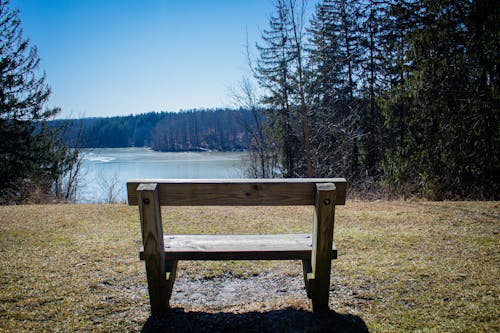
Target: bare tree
{"points": [[109, 186], [297, 23], [66, 186], [260, 162]]}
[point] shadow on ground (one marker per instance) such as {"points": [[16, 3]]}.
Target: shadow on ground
{"points": [[286, 320]]}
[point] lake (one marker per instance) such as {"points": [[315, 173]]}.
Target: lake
{"points": [[106, 170]]}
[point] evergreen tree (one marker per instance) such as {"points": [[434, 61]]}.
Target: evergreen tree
{"points": [[31, 157], [450, 140], [274, 74], [335, 56], [371, 120], [483, 59], [396, 93], [332, 125]]}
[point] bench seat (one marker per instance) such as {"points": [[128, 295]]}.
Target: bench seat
{"points": [[239, 247]]}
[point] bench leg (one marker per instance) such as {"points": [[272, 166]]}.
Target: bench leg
{"points": [[154, 251], [317, 271], [308, 277], [170, 275]]}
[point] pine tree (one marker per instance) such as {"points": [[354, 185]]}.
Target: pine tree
{"points": [[483, 58], [396, 93], [31, 156], [334, 58], [371, 121], [450, 118], [274, 74], [330, 123]]}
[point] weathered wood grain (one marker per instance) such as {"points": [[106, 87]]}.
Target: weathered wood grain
{"points": [[154, 256], [321, 259], [237, 192], [239, 247], [162, 252]]}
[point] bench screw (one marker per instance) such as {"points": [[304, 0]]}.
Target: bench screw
{"points": [[145, 201], [327, 201]]}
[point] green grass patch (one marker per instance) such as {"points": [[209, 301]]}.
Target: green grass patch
{"points": [[422, 266]]}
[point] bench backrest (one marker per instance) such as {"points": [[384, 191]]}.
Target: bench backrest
{"points": [[237, 192]]}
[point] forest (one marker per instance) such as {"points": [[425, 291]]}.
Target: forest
{"points": [[399, 97], [192, 130]]}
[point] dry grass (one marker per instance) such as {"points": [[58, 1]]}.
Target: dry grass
{"points": [[422, 266]]}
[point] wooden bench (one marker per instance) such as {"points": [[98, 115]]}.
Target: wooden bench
{"points": [[162, 252]]}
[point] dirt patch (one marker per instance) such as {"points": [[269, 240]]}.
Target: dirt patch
{"points": [[228, 290]]}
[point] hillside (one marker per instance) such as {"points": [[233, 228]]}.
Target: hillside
{"points": [[194, 130], [402, 266]]}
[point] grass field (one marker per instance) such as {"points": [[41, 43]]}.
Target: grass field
{"points": [[402, 266]]}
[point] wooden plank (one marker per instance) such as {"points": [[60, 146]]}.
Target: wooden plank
{"points": [[154, 256], [237, 192], [239, 247], [321, 259]]}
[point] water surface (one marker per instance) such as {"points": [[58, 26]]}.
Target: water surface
{"points": [[106, 170]]}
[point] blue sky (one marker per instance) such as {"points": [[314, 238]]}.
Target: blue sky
{"points": [[115, 57]]}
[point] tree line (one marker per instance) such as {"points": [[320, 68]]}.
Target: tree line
{"points": [[193, 130], [398, 96]]}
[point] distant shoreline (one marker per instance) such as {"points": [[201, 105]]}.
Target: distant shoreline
{"points": [[194, 150], [202, 130]]}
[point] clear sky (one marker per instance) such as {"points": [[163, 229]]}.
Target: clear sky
{"points": [[115, 57]]}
